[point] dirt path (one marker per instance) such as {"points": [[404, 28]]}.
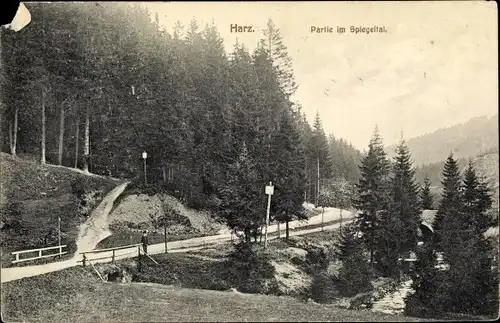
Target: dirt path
{"points": [[96, 228]]}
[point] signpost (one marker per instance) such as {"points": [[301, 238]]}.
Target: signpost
{"points": [[269, 192], [144, 156]]}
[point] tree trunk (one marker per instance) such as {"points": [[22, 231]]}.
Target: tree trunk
{"points": [[86, 148], [42, 161], [322, 218], [10, 137], [279, 231], [287, 229], [247, 235], [77, 139], [305, 188], [165, 237], [317, 187], [13, 145], [61, 136]]}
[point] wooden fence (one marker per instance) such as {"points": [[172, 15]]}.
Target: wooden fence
{"points": [[40, 251], [86, 259], [112, 256]]}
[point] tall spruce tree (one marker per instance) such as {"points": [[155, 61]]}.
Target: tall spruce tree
{"points": [[242, 195], [399, 226], [426, 197], [280, 58], [355, 274], [448, 221], [427, 282], [373, 194], [477, 200], [289, 174], [470, 284]]}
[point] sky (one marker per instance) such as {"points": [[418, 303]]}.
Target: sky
{"points": [[436, 65]]}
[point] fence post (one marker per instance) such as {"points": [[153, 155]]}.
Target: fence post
{"points": [[83, 260], [39, 253], [139, 257], [113, 257]]}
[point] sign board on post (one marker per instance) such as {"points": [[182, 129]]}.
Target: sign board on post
{"points": [[269, 192]]}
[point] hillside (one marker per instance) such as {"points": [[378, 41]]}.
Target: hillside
{"points": [[475, 137], [34, 196], [137, 212]]}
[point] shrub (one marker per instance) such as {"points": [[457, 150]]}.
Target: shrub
{"points": [[249, 271], [317, 259], [324, 288], [355, 275], [11, 215], [79, 186]]}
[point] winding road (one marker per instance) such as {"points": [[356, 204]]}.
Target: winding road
{"points": [[95, 229]]}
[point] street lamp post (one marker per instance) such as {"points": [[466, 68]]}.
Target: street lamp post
{"points": [[144, 156]]}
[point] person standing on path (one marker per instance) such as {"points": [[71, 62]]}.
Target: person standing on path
{"points": [[144, 241]]}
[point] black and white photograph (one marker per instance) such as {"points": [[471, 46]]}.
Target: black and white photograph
{"points": [[249, 161]]}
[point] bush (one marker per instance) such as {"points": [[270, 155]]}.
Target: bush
{"points": [[324, 288], [317, 259], [355, 275], [171, 216], [79, 186], [250, 272], [11, 215]]}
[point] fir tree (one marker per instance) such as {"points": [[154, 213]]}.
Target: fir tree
{"points": [[348, 242], [477, 200], [373, 194], [355, 274], [470, 284], [448, 221], [289, 173], [399, 226], [426, 197], [280, 58], [241, 195], [427, 281]]}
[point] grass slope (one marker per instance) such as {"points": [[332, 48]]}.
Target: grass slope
{"points": [[44, 193], [77, 295]]}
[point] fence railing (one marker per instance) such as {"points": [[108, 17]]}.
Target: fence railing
{"points": [[40, 251], [86, 259], [111, 256]]}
